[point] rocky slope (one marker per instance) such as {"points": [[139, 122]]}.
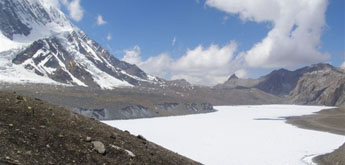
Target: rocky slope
{"points": [[120, 103], [139, 102], [322, 87], [35, 132]]}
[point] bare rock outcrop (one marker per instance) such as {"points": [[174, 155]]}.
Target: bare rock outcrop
{"points": [[322, 87]]}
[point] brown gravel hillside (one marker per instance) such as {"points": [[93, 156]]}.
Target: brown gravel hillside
{"points": [[35, 132]]}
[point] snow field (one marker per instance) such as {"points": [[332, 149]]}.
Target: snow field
{"points": [[237, 135]]}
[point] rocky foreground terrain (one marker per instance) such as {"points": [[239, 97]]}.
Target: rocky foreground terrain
{"points": [[35, 132]]}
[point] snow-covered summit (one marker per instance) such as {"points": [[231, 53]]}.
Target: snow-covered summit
{"points": [[29, 20], [38, 44]]}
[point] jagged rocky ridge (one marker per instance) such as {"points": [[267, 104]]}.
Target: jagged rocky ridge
{"points": [[323, 87], [73, 58]]}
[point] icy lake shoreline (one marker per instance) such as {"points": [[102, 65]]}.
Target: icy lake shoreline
{"points": [[237, 135]]}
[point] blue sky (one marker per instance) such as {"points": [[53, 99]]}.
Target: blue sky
{"points": [[333, 39], [146, 29], [153, 24]]}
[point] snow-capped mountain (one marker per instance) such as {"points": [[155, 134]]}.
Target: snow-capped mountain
{"points": [[38, 44]]}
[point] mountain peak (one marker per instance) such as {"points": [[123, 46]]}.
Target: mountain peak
{"points": [[30, 20], [42, 46], [321, 66], [233, 77]]}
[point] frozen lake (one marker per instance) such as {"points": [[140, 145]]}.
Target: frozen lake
{"points": [[234, 135]]}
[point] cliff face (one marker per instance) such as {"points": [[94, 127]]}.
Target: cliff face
{"points": [[323, 87], [280, 82]]}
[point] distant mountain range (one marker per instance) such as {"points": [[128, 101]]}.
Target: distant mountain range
{"points": [[316, 84]]}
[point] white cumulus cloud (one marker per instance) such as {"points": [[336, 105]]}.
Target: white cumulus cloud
{"points": [[160, 65], [203, 66], [100, 20], [294, 39], [74, 8], [133, 56]]}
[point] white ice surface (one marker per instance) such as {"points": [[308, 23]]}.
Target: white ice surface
{"points": [[232, 136]]}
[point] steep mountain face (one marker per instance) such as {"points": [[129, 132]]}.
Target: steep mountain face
{"points": [[26, 17], [279, 82], [24, 21], [44, 47], [282, 82], [73, 58], [323, 87]]}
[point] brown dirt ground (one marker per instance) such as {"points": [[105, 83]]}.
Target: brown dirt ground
{"points": [[329, 120], [35, 132]]}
